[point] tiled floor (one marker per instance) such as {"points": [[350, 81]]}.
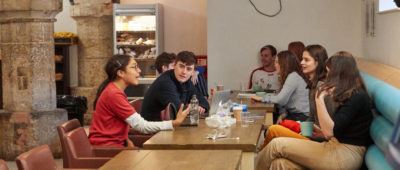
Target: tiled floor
{"points": [[13, 166]]}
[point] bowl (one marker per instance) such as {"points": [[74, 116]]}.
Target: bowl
{"points": [[261, 94]]}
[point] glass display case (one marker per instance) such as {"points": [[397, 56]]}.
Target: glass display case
{"points": [[138, 33]]}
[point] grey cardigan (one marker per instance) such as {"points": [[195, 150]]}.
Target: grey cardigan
{"points": [[293, 97]]}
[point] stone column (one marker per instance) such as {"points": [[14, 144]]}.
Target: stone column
{"points": [[30, 117], [95, 32]]}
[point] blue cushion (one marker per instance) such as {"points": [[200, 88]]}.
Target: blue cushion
{"points": [[375, 159], [381, 132], [385, 96]]}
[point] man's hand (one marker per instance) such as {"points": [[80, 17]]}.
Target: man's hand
{"points": [[201, 110]]}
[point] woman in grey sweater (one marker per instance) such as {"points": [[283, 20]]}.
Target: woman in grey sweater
{"points": [[293, 98]]}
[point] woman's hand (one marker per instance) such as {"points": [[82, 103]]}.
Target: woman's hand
{"points": [[256, 98], [280, 118], [181, 116], [317, 133]]}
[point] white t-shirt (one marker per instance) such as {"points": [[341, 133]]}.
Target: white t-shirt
{"points": [[265, 79]]}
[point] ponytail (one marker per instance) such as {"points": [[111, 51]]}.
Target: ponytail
{"points": [[99, 91], [115, 63]]}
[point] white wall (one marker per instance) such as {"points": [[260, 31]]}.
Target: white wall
{"points": [[385, 46], [185, 24], [236, 32], [67, 24]]}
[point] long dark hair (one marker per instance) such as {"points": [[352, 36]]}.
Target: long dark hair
{"points": [[343, 76], [289, 63], [297, 47], [319, 54], [115, 63]]}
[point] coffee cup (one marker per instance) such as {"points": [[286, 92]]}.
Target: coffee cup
{"points": [[220, 87], [237, 111], [306, 128]]}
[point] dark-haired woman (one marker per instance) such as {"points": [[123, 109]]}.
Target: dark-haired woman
{"points": [[112, 112], [346, 131], [293, 98], [297, 47], [313, 64]]}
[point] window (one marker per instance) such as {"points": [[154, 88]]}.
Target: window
{"points": [[387, 5]]}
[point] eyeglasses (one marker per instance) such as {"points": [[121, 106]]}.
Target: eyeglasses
{"points": [[135, 67]]}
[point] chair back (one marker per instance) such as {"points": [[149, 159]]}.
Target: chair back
{"points": [[37, 158], [78, 144], [137, 104], [3, 165], [63, 129], [169, 113]]}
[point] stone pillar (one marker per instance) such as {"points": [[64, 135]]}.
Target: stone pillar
{"points": [[30, 117], [95, 31]]}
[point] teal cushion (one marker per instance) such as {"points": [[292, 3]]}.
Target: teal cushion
{"points": [[385, 96], [381, 131], [375, 159]]}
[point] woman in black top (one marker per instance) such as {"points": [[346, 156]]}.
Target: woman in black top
{"points": [[346, 132]]}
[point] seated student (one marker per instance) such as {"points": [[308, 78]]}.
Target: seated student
{"points": [[165, 61], [293, 97], [297, 47], [313, 64], [266, 75], [199, 81], [346, 131], [112, 112], [173, 86]]}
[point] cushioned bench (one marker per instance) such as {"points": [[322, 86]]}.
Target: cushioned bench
{"points": [[386, 99]]}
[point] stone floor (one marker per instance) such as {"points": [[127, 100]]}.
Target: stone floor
{"points": [[13, 166]]}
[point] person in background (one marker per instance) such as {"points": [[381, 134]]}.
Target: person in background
{"points": [[173, 86], [266, 75], [346, 131], [165, 61], [313, 64], [293, 97], [113, 114], [297, 47], [199, 81]]}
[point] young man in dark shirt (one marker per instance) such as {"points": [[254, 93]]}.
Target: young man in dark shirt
{"points": [[173, 86]]}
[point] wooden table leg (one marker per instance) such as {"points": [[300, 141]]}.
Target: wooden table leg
{"points": [[268, 119], [247, 162]]}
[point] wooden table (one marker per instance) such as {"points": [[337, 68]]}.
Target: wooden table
{"points": [[175, 160], [194, 138], [252, 105]]}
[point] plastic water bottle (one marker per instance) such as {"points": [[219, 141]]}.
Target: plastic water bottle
{"points": [[194, 110]]}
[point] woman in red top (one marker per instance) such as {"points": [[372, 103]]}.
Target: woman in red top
{"points": [[113, 114]]}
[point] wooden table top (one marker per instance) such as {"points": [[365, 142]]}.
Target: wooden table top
{"points": [[175, 160], [194, 138], [251, 104]]}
